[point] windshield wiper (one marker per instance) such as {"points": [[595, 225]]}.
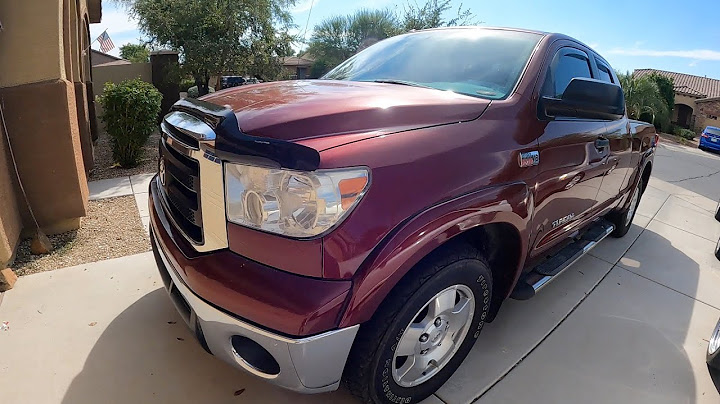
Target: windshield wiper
{"points": [[402, 82]]}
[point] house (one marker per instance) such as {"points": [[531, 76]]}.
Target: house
{"points": [[697, 99], [297, 67], [47, 104], [98, 58]]}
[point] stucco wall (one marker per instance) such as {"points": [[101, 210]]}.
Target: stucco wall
{"points": [[118, 73], [10, 222], [31, 43]]}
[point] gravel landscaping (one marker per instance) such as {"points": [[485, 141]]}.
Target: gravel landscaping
{"points": [[111, 229], [105, 166]]}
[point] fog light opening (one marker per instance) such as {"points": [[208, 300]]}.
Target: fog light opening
{"points": [[254, 355]]}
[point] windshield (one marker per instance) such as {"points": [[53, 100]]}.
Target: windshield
{"points": [[712, 130], [477, 62]]}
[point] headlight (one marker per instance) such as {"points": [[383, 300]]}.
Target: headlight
{"points": [[291, 203]]}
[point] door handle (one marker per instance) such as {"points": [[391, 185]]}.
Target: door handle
{"points": [[602, 143]]}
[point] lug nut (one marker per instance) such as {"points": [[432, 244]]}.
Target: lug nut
{"points": [[438, 321], [424, 338]]}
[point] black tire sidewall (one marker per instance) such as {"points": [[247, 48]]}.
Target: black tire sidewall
{"points": [[472, 273], [622, 225]]}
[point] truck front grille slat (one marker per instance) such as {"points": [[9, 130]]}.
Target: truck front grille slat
{"points": [[181, 184]]}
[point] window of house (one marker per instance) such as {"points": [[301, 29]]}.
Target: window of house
{"points": [[604, 73], [567, 64]]}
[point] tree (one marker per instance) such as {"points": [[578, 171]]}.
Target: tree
{"points": [[216, 36], [337, 38], [431, 15], [666, 87], [643, 99], [136, 53]]}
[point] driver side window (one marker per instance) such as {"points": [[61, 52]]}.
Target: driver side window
{"points": [[567, 64]]}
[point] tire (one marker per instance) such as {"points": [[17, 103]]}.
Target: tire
{"points": [[717, 212], [623, 220], [717, 250], [373, 371], [713, 356]]}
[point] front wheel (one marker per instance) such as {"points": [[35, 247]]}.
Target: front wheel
{"points": [[623, 220], [423, 331]]}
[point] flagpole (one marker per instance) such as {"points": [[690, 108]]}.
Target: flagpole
{"points": [[89, 46]]}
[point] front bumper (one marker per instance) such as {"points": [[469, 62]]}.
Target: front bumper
{"points": [[307, 365]]}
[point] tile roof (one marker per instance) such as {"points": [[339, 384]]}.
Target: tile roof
{"points": [[697, 86]]}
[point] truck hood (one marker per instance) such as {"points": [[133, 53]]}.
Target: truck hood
{"points": [[305, 109]]}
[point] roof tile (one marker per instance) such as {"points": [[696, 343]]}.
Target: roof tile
{"points": [[698, 86]]}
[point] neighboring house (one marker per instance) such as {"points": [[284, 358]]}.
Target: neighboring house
{"points": [[46, 100], [697, 99], [297, 67], [98, 59]]}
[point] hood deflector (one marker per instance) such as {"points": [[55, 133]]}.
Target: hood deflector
{"points": [[231, 144]]}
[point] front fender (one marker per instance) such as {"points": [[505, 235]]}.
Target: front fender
{"points": [[406, 245]]}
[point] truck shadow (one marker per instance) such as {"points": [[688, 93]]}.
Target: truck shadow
{"points": [[147, 355], [630, 340]]}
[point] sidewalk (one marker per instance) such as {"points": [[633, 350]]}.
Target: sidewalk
{"points": [[136, 185]]}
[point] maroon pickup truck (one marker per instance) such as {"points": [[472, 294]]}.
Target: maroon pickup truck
{"points": [[363, 227]]}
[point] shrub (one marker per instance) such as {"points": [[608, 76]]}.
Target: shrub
{"points": [[685, 133], [130, 115], [186, 83]]}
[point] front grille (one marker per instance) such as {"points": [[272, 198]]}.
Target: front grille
{"points": [[181, 189]]}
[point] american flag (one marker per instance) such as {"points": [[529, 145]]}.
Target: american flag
{"points": [[106, 44]]}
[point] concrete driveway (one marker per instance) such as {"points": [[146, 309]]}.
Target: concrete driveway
{"points": [[629, 323]]}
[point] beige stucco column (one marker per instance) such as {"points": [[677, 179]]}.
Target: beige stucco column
{"points": [[39, 68]]}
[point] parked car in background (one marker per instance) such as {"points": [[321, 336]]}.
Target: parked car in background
{"points": [[710, 139], [365, 226], [236, 81]]}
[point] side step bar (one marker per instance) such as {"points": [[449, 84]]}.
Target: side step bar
{"points": [[547, 270]]}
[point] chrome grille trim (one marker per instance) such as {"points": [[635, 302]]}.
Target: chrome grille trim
{"points": [[211, 196]]}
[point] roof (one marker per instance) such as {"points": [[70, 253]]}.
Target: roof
{"points": [[697, 86], [296, 61], [105, 54], [115, 63]]}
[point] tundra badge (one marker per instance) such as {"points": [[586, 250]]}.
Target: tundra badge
{"points": [[529, 159]]}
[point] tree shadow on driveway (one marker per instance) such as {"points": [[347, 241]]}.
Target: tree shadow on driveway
{"points": [[147, 354]]}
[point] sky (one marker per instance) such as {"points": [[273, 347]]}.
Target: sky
{"points": [[679, 36]]}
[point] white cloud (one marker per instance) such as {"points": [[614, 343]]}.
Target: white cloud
{"points": [[696, 54], [693, 63]]}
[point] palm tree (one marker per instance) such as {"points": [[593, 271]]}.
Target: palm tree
{"points": [[643, 99]]}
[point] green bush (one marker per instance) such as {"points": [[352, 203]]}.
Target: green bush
{"points": [[131, 109], [186, 83], [685, 133]]}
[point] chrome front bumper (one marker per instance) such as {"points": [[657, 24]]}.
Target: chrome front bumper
{"points": [[306, 365]]}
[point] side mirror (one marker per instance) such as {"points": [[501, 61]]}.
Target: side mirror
{"points": [[585, 98]]}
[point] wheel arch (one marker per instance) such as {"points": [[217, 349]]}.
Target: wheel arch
{"points": [[494, 220]]}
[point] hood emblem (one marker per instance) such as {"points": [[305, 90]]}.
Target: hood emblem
{"points": [[529, 159]]}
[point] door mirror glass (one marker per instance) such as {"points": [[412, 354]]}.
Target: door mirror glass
{"points": [[585, 98]]}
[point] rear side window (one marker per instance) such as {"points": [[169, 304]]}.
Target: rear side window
{"points": [[567, 64], [604, 73]]}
